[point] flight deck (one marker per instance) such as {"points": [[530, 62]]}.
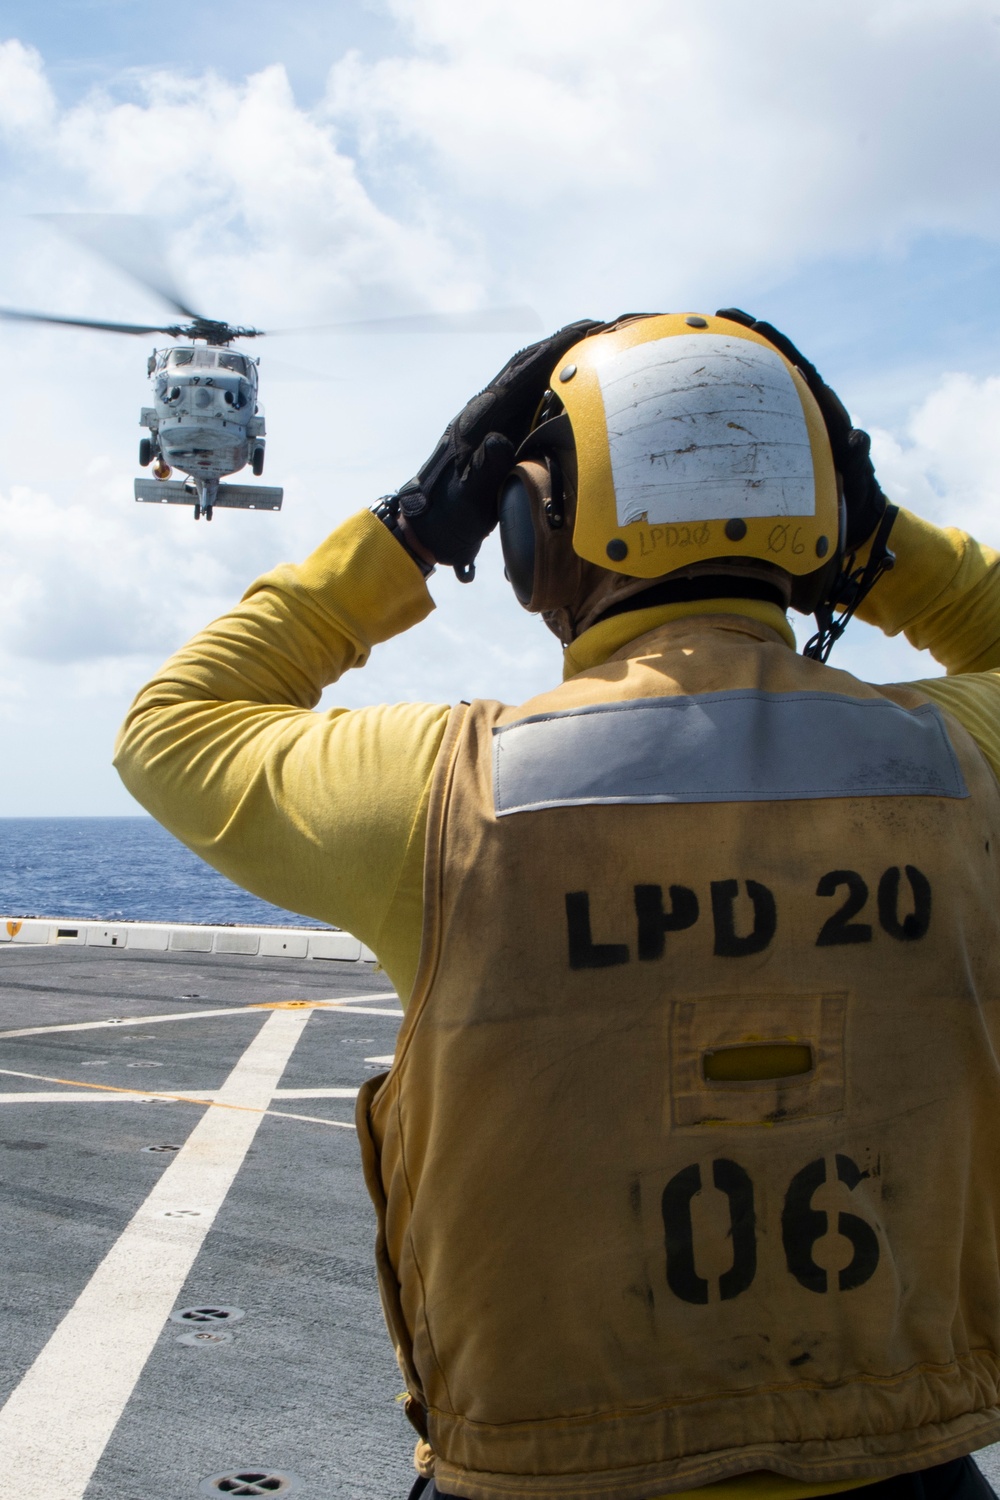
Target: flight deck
{"points": [[189, 1296]]}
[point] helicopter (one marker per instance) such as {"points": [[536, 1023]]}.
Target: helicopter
{"points": [[207, 422], [206, 419]]}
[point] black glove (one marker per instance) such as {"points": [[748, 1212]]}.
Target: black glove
{"points": [[451, 503], [851, 446]]}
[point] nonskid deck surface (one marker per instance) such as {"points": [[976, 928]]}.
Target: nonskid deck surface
{"points": [[263, 1210]]}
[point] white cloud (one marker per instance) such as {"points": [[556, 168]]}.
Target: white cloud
{"points": [[643, 146], [273, 213], [582, 156], [946, 462], [84, 584], [26, 100], [943, 464], [269, 224]]}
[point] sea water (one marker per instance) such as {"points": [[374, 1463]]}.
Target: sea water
{"points": [[118, 869]]}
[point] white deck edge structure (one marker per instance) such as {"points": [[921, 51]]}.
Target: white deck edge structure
{"points": [[187, 937]]}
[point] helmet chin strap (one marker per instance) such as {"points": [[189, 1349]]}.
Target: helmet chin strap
{"points": [[850, 588]]}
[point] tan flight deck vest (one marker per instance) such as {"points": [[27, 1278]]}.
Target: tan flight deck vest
{"points": [[609, 1270]]}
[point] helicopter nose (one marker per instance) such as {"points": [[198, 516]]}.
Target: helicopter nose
{"points": [[202, 397]]}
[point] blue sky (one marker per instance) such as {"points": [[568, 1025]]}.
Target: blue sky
{"points": [[833, 172], [88, 43]]}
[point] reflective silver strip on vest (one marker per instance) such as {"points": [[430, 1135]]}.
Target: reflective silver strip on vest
{"points": [[742, 746]]}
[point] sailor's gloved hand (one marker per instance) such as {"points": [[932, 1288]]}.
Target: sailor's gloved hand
{"points": [[851, 446], [451, 503]]}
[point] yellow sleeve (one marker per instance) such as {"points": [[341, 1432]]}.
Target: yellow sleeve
{"points": [[944, 595], [323, 813]]}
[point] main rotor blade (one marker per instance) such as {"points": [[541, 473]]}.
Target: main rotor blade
{"points": [[131, 242], [481, 320], [14, 316]]}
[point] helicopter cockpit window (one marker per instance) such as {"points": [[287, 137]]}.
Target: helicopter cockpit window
{"points": [[233, 362], [181, 356], [205, 358]]}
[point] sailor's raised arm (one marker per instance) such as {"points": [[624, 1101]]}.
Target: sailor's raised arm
{"points": [[944, 595], [325, 813], [317, 812]]}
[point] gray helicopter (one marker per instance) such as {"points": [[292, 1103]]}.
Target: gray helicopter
{"points": [[206, 420]]}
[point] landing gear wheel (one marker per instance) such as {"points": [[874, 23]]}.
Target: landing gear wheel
{"points": [[145, 453], [197, 512], [257, 462], [209, 512]]}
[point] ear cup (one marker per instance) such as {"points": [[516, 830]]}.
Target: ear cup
{"points": [[517, 536], [536, 535]]}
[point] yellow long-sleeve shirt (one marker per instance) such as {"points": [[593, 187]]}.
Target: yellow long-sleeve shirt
{"points": [[326, 813]]}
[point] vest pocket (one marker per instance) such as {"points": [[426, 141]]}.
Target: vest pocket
{"points": [[755, 1059]]}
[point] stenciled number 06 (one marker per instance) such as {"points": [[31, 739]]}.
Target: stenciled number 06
{"points": [[801, 1226]]}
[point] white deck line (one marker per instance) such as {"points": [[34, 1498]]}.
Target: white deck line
{"points": [[284, 1114], [349, 1006], [57, 1422], [316, 1093], [78, 1096]]}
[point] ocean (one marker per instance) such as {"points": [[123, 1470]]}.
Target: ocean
{"points": [[119, 869]]}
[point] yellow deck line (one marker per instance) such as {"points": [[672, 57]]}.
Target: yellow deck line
{"points": [[110, 1088]]}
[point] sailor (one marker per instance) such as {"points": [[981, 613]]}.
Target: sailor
{"points": [[686, 1166]]}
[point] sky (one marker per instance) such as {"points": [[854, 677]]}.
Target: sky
{"points": [[831, 168]]}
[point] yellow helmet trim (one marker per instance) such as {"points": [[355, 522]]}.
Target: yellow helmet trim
{"points": [[649, 548]]}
